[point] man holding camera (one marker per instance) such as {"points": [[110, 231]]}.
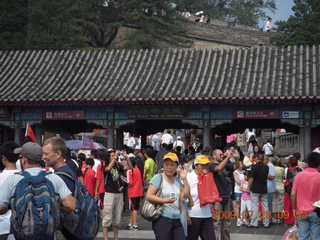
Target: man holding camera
{"points": [[219, 167]]}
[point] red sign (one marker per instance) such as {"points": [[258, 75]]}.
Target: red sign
{"points": [[256, 114], [63, 115]]}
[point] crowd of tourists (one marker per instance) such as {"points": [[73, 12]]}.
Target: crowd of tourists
{"points": [[255, 188]]}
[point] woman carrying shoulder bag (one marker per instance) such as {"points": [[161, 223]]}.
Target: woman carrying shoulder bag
{"points": [[168, 226]]}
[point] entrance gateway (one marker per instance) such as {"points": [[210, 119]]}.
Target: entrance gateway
{"points": [[218, 91], [147, 120]]}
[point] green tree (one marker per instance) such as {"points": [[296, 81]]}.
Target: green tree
{"points": [[302, 28], [77, 24], [56, 24], [155, 20], [246, 12], [13, 20]]}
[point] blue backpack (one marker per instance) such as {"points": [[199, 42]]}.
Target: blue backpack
{"points": [[35, 208], [84, 222]]}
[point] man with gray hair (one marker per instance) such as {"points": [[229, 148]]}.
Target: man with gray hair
{"points": [[54, 153]]}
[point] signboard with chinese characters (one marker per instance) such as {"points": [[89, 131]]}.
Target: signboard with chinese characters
{"points": [[156, 112], [63, 115], [256, 114], [291, 114]]}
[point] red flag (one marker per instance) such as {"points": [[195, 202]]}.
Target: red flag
{"points": [[30, 133]]}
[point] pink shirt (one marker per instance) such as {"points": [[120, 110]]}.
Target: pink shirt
{"points": [[245, 195], [306, 184]]}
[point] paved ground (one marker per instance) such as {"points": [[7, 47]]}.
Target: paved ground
{"points": [[275, 232]]}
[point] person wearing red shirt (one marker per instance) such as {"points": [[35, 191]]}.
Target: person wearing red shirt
{"points": [[135, 192], [305, 192], [89, 177], [100, 190]]}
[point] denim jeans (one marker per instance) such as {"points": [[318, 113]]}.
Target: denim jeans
{"points": [[255, 197], [310, 224], [270, 198]]}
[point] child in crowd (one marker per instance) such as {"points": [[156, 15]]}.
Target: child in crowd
{"points": [[238, 177], [89, 176], [246, 208]]}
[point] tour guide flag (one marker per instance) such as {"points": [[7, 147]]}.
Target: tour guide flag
{"points": [[30, 133]]}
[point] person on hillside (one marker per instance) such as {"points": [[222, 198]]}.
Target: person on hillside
{"points": [[267, 26], [186, 14]]}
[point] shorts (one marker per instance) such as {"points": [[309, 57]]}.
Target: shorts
{"points": [[134, 203], [237, 197], [113, 207]]}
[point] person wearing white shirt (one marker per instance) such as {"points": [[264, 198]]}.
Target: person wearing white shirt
{"points": [[199, 217], [179, 143], [185, 13], [268, 149], [267, 26], [9, 160], [94, 156], [166, 138]]}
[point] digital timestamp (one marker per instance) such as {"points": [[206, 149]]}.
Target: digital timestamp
{"points": [[262, 214]]}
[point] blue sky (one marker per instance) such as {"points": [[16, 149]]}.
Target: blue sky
{"points": [[282, 13]]}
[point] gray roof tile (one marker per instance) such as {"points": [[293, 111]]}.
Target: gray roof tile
{"points": [[261, 73]]}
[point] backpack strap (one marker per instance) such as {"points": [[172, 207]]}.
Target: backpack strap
{"points": [[72, 179]]}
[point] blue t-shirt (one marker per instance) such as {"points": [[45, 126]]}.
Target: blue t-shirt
{"points": [[68, 181], [170, 210]]}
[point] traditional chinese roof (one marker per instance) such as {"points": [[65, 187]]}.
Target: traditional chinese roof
{"points": [[157, 76]]}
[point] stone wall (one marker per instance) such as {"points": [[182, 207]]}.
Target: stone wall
{"points": [[238, 36], [215, 34]]}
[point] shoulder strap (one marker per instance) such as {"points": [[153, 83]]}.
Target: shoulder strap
{"points": [[24, 174], [159, 193], [71, 178], [66, 175]]}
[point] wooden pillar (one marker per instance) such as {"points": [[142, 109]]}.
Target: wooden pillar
{"points": [[111, 137], [119, 138]]}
